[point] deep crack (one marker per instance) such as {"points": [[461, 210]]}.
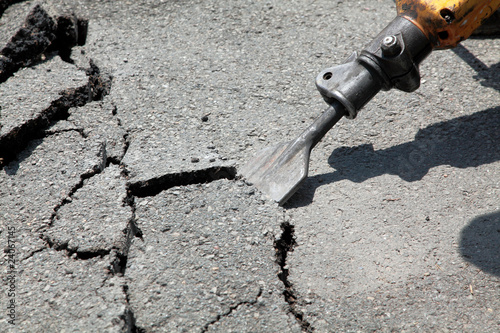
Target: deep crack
{"points": [[130, 201], [40, 34], [130, 316], [133, 231], [154, 186], [81, 255], [16, 140], [71, 31], [283, 246], [120, 264], [112, 160], [54, 132]]}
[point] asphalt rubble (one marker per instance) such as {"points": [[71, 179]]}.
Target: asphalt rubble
{"points": [[122, 130]]}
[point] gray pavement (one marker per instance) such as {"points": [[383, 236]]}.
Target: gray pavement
{"points": [[120, 205]]}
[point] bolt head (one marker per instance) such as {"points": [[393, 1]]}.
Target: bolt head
{"points": [[390, 41], [390, 46]]}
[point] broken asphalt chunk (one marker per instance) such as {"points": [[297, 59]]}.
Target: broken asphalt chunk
{"points": [[204, 261]]}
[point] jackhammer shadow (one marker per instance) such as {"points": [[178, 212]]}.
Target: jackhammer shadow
{"points": [[487, 76], [463, 142]]}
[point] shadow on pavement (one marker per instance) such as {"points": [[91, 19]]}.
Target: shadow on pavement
{"points": [[463, 142], [487, 76], [480, 243]]}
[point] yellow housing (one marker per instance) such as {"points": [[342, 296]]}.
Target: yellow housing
{"points": [[447, 22]]}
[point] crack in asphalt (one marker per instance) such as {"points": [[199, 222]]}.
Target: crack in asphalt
{"points": [[32, 253], [71, 31], [132, 230], [81, 255], [129, 315], [283, 246], [59, 131], [156, 185], [97, 170], [231, 310], [119, 265]]}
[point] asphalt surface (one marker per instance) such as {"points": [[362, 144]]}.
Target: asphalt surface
{"points": [[123, 125]]}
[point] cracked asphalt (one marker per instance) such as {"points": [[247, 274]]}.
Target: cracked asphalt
{"points": [[123, 125]]}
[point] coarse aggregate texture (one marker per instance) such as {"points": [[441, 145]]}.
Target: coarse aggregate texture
{"points": [[133, 111]]}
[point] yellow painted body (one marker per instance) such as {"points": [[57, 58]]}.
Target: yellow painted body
{"points": [[447, 22]]}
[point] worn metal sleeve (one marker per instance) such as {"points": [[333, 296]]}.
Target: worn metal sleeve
{"points": [[398, 70], [357, 81]]}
